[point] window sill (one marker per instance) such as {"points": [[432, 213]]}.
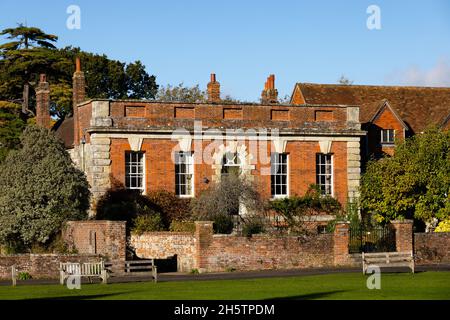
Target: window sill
{"points": [[185, 196], [273, 198]]}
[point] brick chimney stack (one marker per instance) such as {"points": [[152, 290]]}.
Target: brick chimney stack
{"points": [[79, 95], [213, 89], [43, 103], [269, 94]]}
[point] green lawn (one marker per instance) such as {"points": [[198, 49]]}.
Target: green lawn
{"points": [[426, 285]]}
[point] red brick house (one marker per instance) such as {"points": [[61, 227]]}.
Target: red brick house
{"points": [[386, 112], [182, 147]]}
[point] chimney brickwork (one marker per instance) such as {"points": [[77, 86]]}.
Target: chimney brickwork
{"points": [[43, 103], [269, 94], [79, 95], [213, 89]]}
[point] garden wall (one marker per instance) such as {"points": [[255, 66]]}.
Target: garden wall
{"points": [[106, 238], [213, 253], [39, 265], [432, 248], [163, 245], [226, 252]]}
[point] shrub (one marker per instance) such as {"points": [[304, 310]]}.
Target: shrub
{"points": [[170, 207], [225, 199], [120, 204], [147, 223], [253, 225], [24, 276], [40, 190], [223, 223], [443, 226], [294, 208], [182, 226]]}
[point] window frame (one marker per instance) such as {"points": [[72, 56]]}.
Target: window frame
{"points": [[129, 175], [189, 164], [382, 131], [319, 174], [273, 185], [228, 164]]}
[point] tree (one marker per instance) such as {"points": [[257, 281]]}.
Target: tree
{"points": [[140, 84], [345, 81], [414, 183], [26, 37], [227, 199], [41, 189], [181, 93], [11, 127]]}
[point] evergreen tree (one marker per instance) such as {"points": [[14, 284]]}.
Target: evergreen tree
{"points": [[40, 190]]}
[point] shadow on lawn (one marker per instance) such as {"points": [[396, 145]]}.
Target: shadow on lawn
{"points": [[310, 296]]}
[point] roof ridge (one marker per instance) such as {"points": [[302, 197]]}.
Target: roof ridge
{"points": [[372, 86]]}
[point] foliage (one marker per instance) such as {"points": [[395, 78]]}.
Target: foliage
{"points": [[228, 196], [414, 183], [293, 209], [169, 206], [182, 226], [41, 189], [181, 93], [11, 127], [443, 226], [345, 81], [253, 224], [24, 276], [120, 204], [26, 37], [32, 52], [147, 223], [223, 223]]}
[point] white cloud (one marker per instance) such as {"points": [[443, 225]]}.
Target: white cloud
{"points": [[437, 76]]}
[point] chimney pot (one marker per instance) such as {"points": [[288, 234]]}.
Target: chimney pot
{"points": [[77, 64], [213, 77]]}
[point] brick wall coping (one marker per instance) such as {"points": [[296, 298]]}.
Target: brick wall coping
{"points": [[402, 221], [97, 221], [49, 255], [267, 236]]}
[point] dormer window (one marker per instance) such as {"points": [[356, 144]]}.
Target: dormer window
{"points": [[387, 136]]}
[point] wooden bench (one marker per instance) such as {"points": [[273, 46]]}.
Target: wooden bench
{"points": [[88, 269], [388, 259], [139, 267]]}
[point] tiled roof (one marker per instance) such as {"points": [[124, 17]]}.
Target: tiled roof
{"points": [[64, 130], [417, 106]]}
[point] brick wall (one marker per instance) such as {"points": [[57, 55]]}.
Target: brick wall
{"points": [[106, 238], [163, 245], [267, 252], [432, 248], [160, 169], [39, 265], [214, 253], [403, 235]]}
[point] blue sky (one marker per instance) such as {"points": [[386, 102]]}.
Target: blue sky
{"points": [[245, 41]]}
